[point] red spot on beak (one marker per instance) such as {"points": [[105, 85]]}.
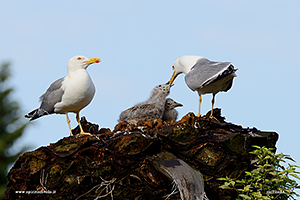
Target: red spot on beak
{"points": [[97, 61]]}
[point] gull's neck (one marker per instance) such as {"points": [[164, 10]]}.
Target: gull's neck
{"points": [[187, 62]]}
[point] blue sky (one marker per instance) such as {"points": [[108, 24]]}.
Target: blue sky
{"points": [[138, 41]]}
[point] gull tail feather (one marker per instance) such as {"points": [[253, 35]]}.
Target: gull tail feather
{"points": [[37, 113]]}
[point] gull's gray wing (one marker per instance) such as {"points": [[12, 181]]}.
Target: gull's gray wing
{"points": [[205, 72], [52, 96]]}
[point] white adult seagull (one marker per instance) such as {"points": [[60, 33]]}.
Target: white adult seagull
{"points": [[70, 93], [204, 76]]}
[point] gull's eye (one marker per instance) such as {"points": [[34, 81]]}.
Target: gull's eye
{"points": [[173, 67], [79, 58]]}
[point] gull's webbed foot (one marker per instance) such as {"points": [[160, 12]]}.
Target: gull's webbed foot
{"points": [[84, 133], [213, 119]]}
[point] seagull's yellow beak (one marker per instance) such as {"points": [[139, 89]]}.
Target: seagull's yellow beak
{"points": [[93, 60], [172, 78]]}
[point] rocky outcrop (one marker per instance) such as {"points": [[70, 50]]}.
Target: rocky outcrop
{"points": [[121, 163]]}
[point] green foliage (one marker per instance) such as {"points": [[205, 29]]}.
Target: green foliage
{"points": [[11, 127], [268, 179]]}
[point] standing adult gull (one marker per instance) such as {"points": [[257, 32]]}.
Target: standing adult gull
{"points": [[70, 93], [204, 76]]}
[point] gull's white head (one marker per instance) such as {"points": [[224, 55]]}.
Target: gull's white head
{"points": [[183, 65], [81, 62]]}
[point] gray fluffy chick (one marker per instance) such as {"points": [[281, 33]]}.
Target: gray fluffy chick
{"points": [[170, 113], [152, 108]]}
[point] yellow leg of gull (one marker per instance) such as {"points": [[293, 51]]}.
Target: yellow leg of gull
{"points": [[68, 121], [212, 108], [200, 100], [81, 130]]}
